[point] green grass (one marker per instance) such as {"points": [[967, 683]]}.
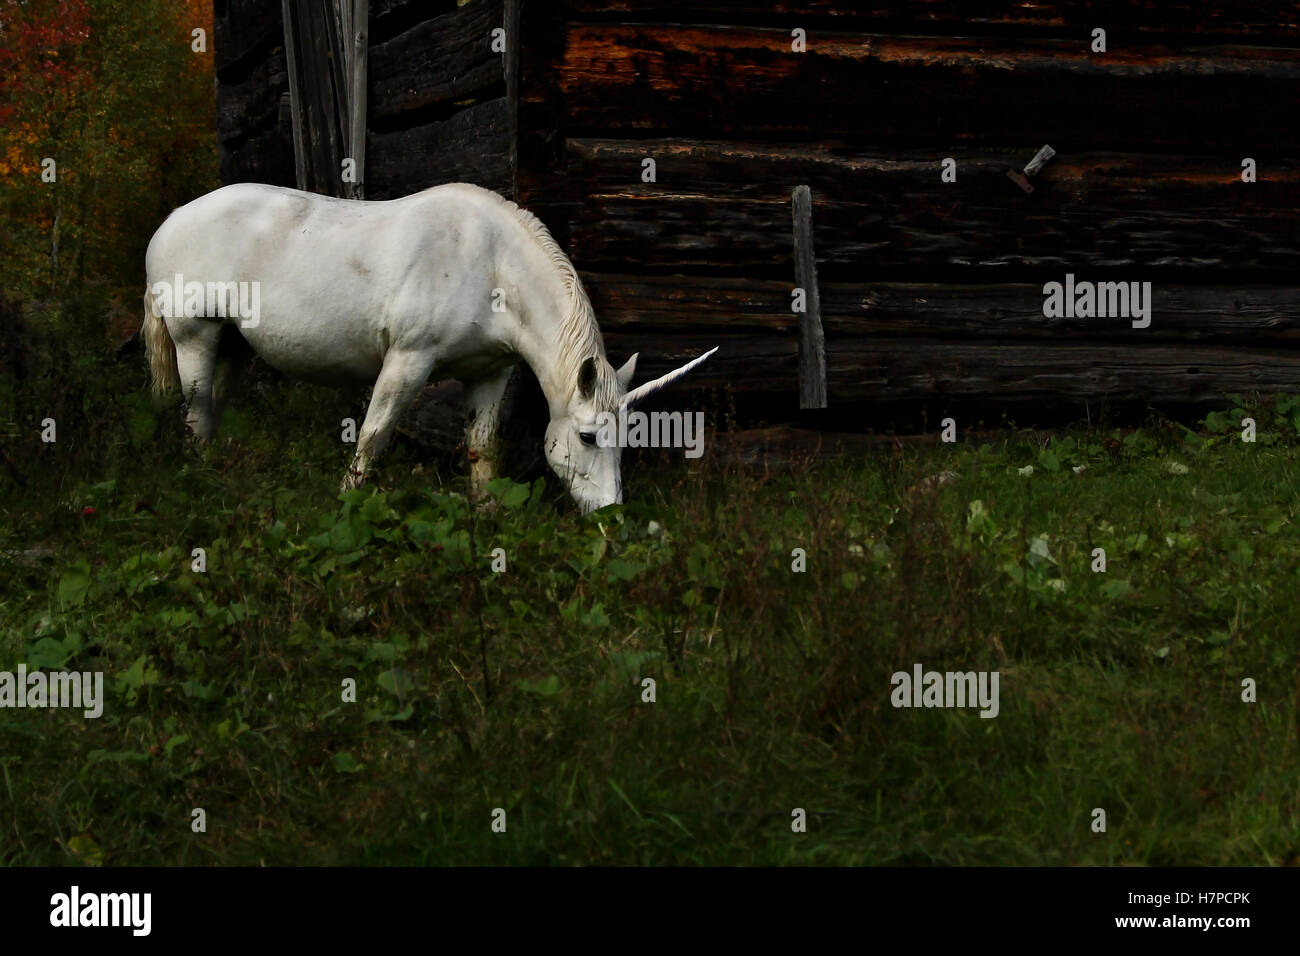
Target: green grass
{"points": [[1120, 690]]}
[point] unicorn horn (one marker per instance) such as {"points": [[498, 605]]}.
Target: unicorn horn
{"points": [[649, 388]]}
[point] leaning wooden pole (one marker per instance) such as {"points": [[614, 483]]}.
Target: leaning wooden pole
{"points": [[812, 342]]}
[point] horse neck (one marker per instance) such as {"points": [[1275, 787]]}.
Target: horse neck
{"points": [[541, 325]]}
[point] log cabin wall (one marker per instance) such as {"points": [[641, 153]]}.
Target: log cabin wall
{"points": [[931, 292], [437, 108]]}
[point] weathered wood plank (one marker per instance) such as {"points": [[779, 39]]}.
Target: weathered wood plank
{"points": [[357, 39], [886, 369], [295, 50], [319, 98], [439, 61], [672, 305], [472, 146], [720, 206], [1266, 20], [392, 17], [244, 33], [265, 157], [253, 104], [715, 80], [867, 369]]}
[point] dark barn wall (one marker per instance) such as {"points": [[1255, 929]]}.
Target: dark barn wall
{"points": [[437, 108], [930, 291]]}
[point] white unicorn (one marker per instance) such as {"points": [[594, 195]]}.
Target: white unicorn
{"points": [[451, 282]]}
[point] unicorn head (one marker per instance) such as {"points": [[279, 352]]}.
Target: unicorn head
{"points": [[591, 468]]}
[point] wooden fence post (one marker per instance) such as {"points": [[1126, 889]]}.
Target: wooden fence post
{"points": [[812, 341]]}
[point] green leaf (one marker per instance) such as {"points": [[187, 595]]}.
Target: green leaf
{"points": [[376, 509], [344, 762], [396, 681], [74, 584], [619, 570], [515, 496], [87, 851], [1117, 589], [542, 687], [1038, 552], [136, 677]]}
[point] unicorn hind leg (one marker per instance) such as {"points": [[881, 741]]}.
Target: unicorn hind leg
{"points": [[197, 341]]}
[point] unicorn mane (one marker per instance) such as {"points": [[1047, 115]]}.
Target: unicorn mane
{"points": [[579, 336]]}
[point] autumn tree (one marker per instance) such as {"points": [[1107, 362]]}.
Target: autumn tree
{"points": [[119, 95]]}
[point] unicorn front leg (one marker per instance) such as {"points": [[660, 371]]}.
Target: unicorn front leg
{"points": [[484, 399], [399, 382]]}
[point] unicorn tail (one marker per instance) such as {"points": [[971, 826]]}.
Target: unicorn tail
{"points": [[160, 348]]}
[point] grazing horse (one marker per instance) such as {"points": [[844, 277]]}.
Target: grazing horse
{"points": [[451, 282]]}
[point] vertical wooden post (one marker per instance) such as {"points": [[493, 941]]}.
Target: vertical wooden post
{"points": [[812, 341], [512, 27], [326, 48], [358, 42], [295, 92]]}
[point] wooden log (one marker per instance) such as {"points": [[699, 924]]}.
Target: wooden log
{"points": [[1256, 316], [253, 104], [719, 207], [244, 34], [1266, 20], [264, 157], [472, 146], [874, 369], [812, 341], [435, 63], [937, 91], [887, 369], [389, 18]]}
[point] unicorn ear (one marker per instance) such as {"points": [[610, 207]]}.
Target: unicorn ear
{"points": [[626, 372], [587, 377], [649, 388]]}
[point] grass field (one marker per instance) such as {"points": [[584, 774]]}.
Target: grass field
{"points": [[523, 689]]}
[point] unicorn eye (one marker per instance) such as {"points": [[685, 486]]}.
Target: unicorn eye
{"points": [[588, 438]]}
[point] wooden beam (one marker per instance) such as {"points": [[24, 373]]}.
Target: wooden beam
{"points": [[471, 146], [437, 63], [870, 369], [720, 208], [735, 307], [724, 81], [1265, 21], [812, 341]]}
